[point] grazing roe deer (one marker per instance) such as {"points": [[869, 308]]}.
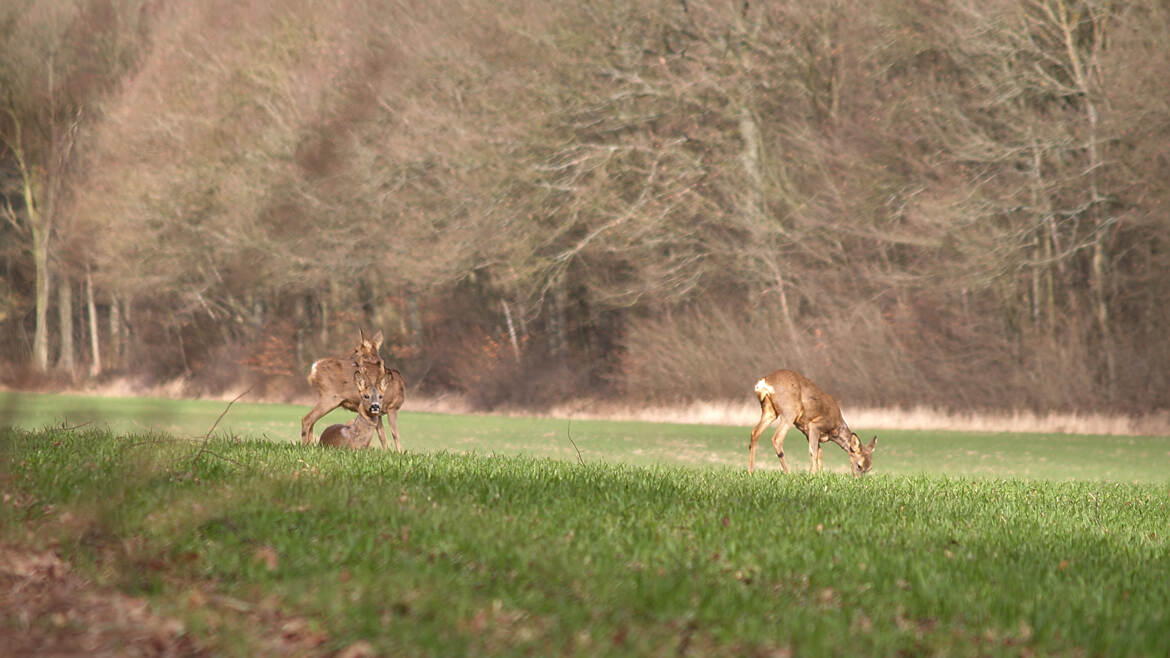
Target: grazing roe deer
{"points": [[791, 397], [357, 433], [334, 380]]}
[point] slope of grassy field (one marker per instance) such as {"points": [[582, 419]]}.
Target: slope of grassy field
{"points": [[437, 553]]}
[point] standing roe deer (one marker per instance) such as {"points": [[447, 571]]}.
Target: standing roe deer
{"points": [[357, 433], [791, 397], [334, 380]]}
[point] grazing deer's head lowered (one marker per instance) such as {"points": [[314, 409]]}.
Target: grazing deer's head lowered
{"points": [[860, 456], [335, 382], [791, 397]]}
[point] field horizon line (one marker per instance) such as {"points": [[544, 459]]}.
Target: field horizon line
{"points": [[699, 412]]}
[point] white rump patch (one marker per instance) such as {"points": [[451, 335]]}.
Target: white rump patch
{"points": [[762, 388]]}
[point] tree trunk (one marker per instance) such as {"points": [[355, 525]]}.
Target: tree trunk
{"points": [[753, 208], [95, 363], [414, 319], [39, 231], [559, 335], [302, 320], [117, 342], [1098, 282], [1101, 310], [1043, 285], [1072, 25], [41, 331], [511, 330], [65, 359], [129, 346], [323, 309]]}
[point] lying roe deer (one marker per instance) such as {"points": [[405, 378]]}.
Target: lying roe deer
{"points": [[791, 397], [357, 433], [334, 380]]}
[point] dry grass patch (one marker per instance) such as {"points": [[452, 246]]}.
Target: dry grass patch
{"points": [[746, 412], [709, 412]]}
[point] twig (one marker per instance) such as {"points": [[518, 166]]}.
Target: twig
{"points": [[207, 437], [569, 432], [75, 427], [216, 454], [224, 413]]}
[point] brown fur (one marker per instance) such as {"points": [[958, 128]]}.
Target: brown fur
{"points": [[791, 397], [333, 378], [358, 433]]}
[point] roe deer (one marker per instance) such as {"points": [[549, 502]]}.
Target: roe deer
{"points": [[791, 397], [334, 380], [357, 433]]}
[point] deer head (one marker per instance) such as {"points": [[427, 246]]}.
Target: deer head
{"points": [[367, 350], [371, 392], [860, 456]]}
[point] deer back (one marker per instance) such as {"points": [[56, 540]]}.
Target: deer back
{"points": [[333, 378], [793, 393], [355, 434], [395, 390]]}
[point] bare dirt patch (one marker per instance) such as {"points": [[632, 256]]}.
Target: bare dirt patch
{"points": [[48, 610]]}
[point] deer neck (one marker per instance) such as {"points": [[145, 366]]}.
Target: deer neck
{"points": [[360, 426], [835, 437]]}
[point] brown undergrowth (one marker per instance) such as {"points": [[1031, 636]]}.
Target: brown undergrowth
{"points": [[50, 607], [50, 610]]}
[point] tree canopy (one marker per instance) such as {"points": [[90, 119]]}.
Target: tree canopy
{"points": [[959, 203]]}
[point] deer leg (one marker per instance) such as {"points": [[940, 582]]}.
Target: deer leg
{"points": [[767, 415], [323, 406], [392, 421], [381, 432], [814, 450], [778, 442]]}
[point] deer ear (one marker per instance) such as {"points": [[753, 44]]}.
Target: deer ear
{"points": [[377, 340], [872, 443], [359, 378], [854, 442]]}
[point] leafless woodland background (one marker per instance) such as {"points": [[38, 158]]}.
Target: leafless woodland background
{"points": [[960, 204]]}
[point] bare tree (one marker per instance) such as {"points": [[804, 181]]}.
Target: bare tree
{"points": [[50, 70], [888, 196]]}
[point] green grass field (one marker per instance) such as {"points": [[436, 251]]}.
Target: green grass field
{"points": [[489, 537], [967, 454]]}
